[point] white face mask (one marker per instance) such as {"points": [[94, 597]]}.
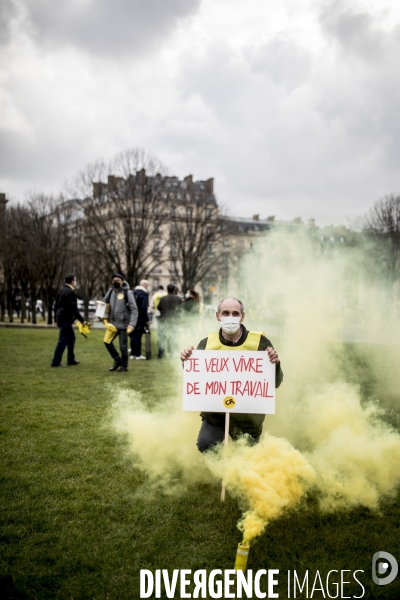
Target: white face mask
{"points": [[230, 325]]}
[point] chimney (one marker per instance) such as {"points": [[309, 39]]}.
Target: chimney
{"points": [[271, 218], [189, 182], [3, 202], [256, 217], [97, 187], [111, 183], [141, 177], [210, 185]]}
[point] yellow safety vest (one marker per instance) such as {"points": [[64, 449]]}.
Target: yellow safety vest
{"points": [[252, 342]]}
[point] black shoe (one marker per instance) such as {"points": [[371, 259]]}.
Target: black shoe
{"points": [[72, 364], [122, 369], [116, 365], [60, 365]]}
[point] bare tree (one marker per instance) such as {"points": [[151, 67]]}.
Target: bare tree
{"points": [[197, 235], [50, 234], [82, 262], [3, 246], [383, 224], [21, 264], [121, 215], [10, 265]]}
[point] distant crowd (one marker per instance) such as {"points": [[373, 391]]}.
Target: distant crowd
{"points": [[127, 316]]}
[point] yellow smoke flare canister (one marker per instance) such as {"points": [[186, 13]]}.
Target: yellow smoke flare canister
{"points": [[242, 555]]}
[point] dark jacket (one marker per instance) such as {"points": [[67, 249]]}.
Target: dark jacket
{"points": [[123, 309], [142, 302], [169, 306], [190, 306], [241, 422], [66, 306]]}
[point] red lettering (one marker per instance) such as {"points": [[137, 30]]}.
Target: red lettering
{"points": [[265, 394], [192, 388], [250, 388], [216, 365], [192, 364], [237, 365], [251, 364], [216, 387], [224, 364]]}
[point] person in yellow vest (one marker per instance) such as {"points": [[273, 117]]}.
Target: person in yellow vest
{"points": [[155, 301], [233, 335]]}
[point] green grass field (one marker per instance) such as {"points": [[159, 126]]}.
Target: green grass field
{"points": [[71, 525]]}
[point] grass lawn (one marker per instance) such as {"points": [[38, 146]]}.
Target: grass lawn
{"points": [[71, 526]]}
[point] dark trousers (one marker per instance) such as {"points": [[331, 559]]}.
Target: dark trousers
{"points": [[123, 346], [66, 339], [136, 341], [211, 435], [166, 332]]}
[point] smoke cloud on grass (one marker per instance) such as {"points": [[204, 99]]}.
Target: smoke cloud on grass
{"points": [[161, 442], [266, 479], [328, 433]]}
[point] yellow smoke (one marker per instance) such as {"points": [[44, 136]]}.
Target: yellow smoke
{"points": [[326, 434], [266, 478], [355, 454], [161, 442]]}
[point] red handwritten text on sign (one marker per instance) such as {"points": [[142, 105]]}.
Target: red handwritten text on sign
{"points": [[249, 377]]}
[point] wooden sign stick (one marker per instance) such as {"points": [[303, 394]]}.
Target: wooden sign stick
{"points": [[225, 449]]}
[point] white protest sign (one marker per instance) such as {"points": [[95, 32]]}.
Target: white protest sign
{"points": [[229, 381]]}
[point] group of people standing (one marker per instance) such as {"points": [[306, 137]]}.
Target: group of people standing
{"points": [[128, 318]]}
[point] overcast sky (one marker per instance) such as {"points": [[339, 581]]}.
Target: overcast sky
{"points": [[291, 105]]}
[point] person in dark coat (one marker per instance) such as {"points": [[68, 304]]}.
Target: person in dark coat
{"points": [[169, 307], [191, 303], [65, 313], [142, 301]]}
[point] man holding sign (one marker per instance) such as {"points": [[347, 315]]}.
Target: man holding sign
{"points": [[233, 336]]}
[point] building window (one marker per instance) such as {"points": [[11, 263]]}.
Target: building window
{"points": [[156, 247], [189, 212], [174, 249], [173, 211]]}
